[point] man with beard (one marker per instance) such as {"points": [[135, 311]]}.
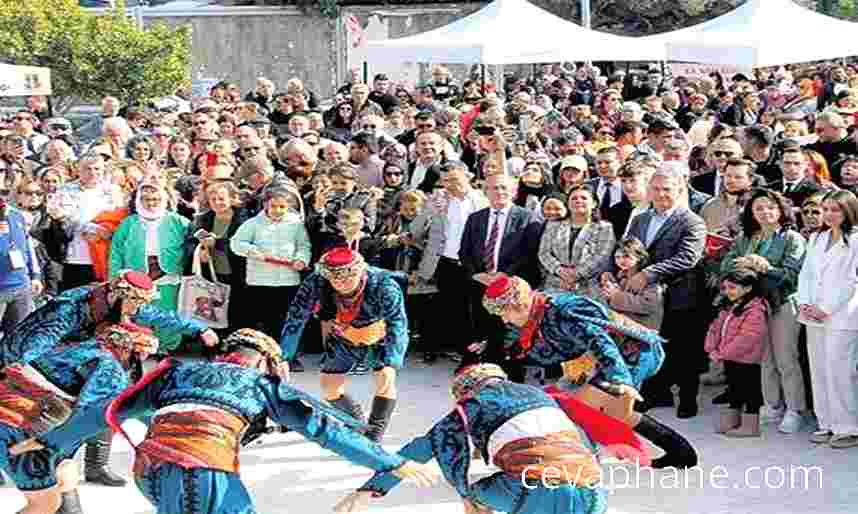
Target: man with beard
{"points": [[723, 212], [362, 310], [300, 160], [692, 112]]}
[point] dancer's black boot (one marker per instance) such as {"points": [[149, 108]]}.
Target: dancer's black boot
{"points": [[379, 417], [348, 405], [678, 452], [96, 459], [70, 503]]}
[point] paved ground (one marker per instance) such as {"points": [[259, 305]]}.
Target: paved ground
{"points": [[289, 475]]}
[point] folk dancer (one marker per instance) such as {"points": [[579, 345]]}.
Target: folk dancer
{"points": [[548, 463], [189, 460], [363, 309], [74, 316], [50, 404], [605, 351]]}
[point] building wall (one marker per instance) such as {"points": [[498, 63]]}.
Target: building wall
{"points": [[243, 43]]}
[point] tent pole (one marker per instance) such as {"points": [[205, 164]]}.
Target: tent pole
{"points": [[483, 76]]}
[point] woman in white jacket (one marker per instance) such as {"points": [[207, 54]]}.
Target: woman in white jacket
{"points": [[828, 305]]}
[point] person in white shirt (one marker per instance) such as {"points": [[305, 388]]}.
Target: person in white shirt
{"points": [[77, 205], [440, 262]]}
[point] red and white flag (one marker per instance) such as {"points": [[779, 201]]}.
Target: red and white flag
{"points": [[355, 30]]}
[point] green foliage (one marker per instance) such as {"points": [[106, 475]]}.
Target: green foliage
{"points": [[847, 9], [93, 56]]}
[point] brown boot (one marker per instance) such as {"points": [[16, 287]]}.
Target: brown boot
{"points": [[728, 420], [750, 427]]}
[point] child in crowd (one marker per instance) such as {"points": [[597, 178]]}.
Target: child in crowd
{"points": [[738, 337], [277, 247], [647, 306], [404, 236]]}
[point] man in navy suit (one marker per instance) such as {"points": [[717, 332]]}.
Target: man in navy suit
{"points": [[675, 239], [501, 238]]}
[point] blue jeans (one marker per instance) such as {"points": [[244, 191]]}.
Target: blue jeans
{"points": [[15, 305]]}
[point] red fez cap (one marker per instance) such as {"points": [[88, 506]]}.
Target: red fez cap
{"points": [[138, 279], [499, 287], [339, 257]]}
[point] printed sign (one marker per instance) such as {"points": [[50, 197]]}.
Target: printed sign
{"points": [[24, 80], [697, 70]]}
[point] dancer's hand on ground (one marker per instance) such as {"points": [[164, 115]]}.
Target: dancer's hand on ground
{"points": [[28, 445], [419, 474], [356, 501]]}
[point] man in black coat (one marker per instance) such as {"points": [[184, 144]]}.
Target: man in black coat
{"points": [[501, 238], [795, 185]]}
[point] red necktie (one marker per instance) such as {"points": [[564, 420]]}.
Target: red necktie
{"points": [[489, 250]]}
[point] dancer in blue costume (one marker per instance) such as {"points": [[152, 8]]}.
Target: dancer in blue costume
{"points": [[49, 405], [189, 460], [595, 346], [74, 316], [363, 309], [519, 429]]}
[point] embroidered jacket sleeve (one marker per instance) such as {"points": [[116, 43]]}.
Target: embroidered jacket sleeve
{"points": [[447, 442], [42, 331], [297, 411], [300, 310], [167, 323], [105, 379], [393, 312], [596, 340]]}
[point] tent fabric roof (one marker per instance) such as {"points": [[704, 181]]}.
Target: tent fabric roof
{"points": [[762, 33], [511, 32]]}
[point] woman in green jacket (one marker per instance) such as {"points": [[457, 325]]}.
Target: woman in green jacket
{"points": [[770, 247], [152, 241]]}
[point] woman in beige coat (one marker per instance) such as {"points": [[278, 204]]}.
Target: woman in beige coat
{"points": [[572, 250]]}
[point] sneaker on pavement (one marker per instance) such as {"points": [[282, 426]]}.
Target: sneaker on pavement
{"points": [[770, 414], [821, 436], [842, 441], [791, 423]]}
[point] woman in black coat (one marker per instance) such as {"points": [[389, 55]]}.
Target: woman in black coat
{"points": [[211, 232]]}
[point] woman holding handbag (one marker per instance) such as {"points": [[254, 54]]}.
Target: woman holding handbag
{"points": [[208, 239]]}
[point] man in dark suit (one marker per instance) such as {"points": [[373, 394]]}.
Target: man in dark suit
{"points": [[634, 177], [795, 185], [675, 238], [608, 188], [502, 238], [720, 151]]}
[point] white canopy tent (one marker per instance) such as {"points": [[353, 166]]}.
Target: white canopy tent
{"points": [[761, 33], [24, 80], [511, 32]]}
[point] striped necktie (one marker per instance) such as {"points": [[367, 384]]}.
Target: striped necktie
{"points": [[489, 250]]}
